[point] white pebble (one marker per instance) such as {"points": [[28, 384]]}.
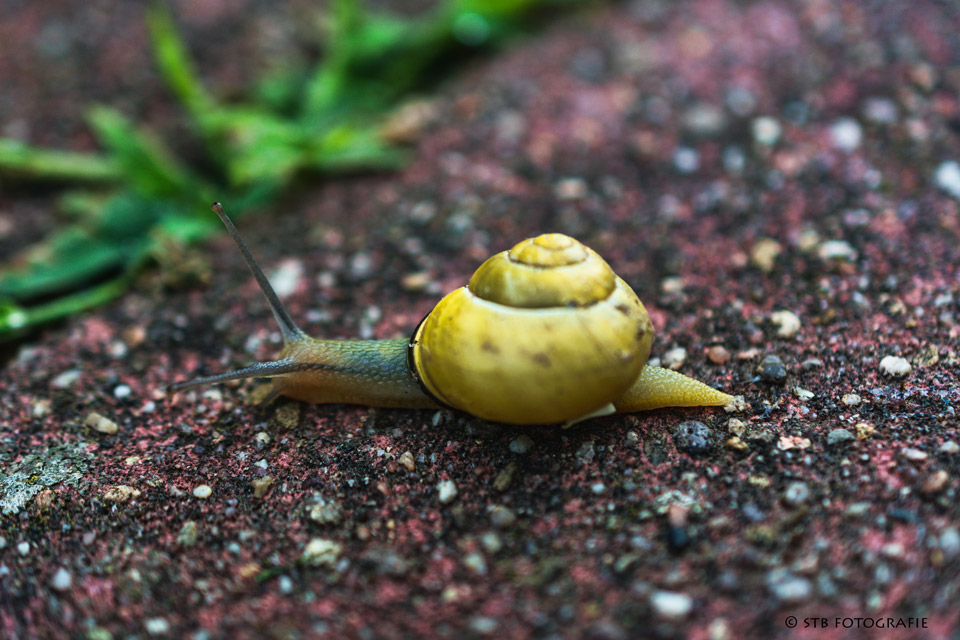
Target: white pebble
{"points": [[321, 551], [851, 399], [66, 379], [950, 447], [157, 626], [669, 604], [203, 491], [522, 444], [788, 323], [880, 110], [447, 491], [947, 177], [674, 358], [99, 423], [836, 250], [122, 391], [686, 160], [570, 189], [803, 394], [846, 134], [914, 455], [62, 580], [23, 548], [894, 366], [598, 487], [766, 130], [286, 277]]}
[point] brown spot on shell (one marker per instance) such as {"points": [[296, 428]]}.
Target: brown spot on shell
{"points": [[542, 359], [622, 308], [490, 347]]}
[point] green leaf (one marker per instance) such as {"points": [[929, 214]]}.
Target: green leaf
{"points": [[175, 65], [27, 162], [145, 162]]}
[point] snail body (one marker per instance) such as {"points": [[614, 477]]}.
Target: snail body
{"points": [[543, 333]]}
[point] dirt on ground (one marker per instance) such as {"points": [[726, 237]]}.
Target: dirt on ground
{"points": [[778, 181]]}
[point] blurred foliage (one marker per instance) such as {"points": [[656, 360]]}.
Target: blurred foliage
{"points": [[136, 196]]}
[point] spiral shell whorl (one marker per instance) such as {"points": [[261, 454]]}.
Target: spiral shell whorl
{"points": [[551, 270]]}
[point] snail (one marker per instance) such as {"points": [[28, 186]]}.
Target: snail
{"points": [[543, 333]]}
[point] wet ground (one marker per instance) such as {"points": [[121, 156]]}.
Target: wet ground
{"points": [[774, 179]]}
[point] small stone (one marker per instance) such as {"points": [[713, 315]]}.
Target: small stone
{"points": [[765, 130], [928, 357], [787, 587], [803, 394], [505, 477], [880, 110], [325, 511], [836, 251], [570, 189], [718, 354], [674, 358], [935, 482], [705, 120], [23, 548], [40, 408], [586, 453], [99, 423], [947, 177], [950, 543], [736, 426], [502, 517], [772, 370], [864, 430], [846, 134], [811, 364], [851, 399], [66, 379], [476, 563], [446, 491], [491, 542], [122, 391], [787, 322], [686, 160], [202, 491], [668, 604], [949, 447], [407, 462], [894, 366], [521, 444], [764, 254], [260, 486], [913, 455], [321, 552], [839, 436], [693, 437], [796, 494], [736, 444], [157, 626], [62, 580], [120, 493], [189, 533]]}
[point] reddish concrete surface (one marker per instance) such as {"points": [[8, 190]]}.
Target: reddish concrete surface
{"points": [[730, 160]]}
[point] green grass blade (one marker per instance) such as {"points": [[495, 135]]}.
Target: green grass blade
{"points": [[27, 162]]}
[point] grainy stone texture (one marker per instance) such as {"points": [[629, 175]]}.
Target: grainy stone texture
{"points": [[672, 137]]}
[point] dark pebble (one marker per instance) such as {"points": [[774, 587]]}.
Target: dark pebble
{"points": [[693, 437], [772, 370], [677, 538]]}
